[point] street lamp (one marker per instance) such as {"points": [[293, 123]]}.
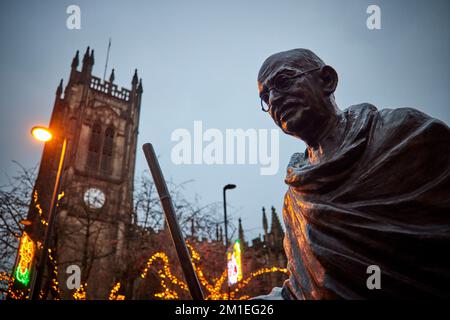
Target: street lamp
{"points": [[225, 188], [44, 134], [41, 133]]}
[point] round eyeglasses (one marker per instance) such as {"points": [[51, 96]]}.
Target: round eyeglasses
{"points": [[282, 83]]}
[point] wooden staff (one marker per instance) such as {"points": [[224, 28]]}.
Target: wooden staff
{"points": [[172, 222]]}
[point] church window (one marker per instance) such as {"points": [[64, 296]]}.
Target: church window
{"points": [[108, 150], [94, 146]]}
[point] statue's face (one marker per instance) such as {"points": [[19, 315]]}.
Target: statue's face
{"points": [[296, 98]]}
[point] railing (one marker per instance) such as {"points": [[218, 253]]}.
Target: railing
{"points": [[109, 88]]}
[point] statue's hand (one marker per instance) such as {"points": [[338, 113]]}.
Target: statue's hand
{"points": [[297, 161], [275, 294]]}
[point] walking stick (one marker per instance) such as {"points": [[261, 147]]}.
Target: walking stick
{"points": [[172, 222]]}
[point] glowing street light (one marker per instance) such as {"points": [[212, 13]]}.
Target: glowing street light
{"points": [[41, 133]]}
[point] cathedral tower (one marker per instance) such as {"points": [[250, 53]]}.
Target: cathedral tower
{"points": [[100, 122]]}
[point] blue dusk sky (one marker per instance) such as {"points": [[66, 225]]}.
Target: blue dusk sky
{"points": [[199, 61]]}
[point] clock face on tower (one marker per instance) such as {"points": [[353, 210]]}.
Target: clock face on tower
{"points": [[94, 198]]}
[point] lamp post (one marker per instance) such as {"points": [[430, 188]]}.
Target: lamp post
{"points": [[225, 188], [44, 134]]}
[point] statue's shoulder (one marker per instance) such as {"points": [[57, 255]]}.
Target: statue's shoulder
{"points": [[394, 118], [361, 108], [404, 113], [410, 117], [360, 114]]}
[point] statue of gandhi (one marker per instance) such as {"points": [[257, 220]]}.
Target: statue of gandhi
{"points": [[371, 191]]}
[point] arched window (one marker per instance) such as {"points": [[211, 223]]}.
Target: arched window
{"points": [[94, 146], [108, 144]]}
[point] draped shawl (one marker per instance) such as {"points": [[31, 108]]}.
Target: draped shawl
{"points": [[383, 198]]}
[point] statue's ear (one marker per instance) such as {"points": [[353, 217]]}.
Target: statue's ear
{"points": [[329, 79]]}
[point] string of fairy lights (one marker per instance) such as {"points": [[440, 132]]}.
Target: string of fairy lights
{"points": [[114, 295], [170, 284], [54, 281], [80, 293], [37, 206], [165, 274], [167, 280], [214, 290], [4, 276]]}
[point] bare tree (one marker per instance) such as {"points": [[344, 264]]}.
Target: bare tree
{"points": [[15, 198], [14, 203], [192, 215]]}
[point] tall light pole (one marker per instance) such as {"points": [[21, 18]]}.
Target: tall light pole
{"points": [[44, 134], [225, 188]]}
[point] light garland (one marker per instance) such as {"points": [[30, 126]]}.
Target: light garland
{"points": [[164, 274], [18, 294], [4, 276], [214, 290], [114, 293], [37, 205], [80, 294], [13, 294], [54, 283]]}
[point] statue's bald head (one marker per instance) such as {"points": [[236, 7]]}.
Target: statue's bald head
{"points": [[297, 88], [300, 59]]}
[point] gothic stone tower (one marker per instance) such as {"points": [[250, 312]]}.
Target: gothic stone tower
{"points": [[100, 121]]}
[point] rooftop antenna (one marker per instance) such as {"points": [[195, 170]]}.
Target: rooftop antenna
{"points": [[107, 58]]}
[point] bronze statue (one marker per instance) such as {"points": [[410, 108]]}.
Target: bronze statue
{"points": [[372, 188]]}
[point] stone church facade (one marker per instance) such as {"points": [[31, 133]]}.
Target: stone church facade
{"points": [[265, 251]]}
